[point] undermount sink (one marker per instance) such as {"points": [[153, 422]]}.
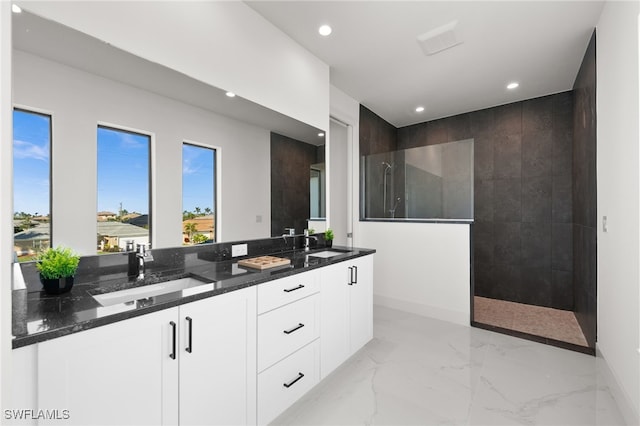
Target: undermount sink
{"points": [[188, 286], [326, 254]]}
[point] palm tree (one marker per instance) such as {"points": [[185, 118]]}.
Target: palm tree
{"points": [[190, 228], [197, 210], [207, 211]]}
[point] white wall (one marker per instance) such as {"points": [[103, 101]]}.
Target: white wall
{"points": [[421, 268], [78, 101], [618, 164], [223, 43], [6, 205]]}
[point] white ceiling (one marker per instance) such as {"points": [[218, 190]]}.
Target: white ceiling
{"points": [[62, 44], [375, 58]]}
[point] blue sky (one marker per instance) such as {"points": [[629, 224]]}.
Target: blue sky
{"points": [[123, 169], [31, 153], [198, 171]]}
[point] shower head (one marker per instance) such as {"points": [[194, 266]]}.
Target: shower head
{"points": [[386, 165]]}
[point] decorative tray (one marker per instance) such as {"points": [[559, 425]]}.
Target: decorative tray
{"points": [[264, 262]]}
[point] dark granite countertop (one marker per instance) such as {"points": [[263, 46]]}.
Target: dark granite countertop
{"points": [[38, 317]]}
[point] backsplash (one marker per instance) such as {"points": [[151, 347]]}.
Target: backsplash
{"points": [[115, 266]]}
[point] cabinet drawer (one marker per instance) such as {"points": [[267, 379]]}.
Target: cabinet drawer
{"points": [[286, 329], [282, 385], [276, 293]]}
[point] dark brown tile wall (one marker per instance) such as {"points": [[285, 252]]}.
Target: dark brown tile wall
{"points": [[584, 195], [523, 242], [534, 237], [290, 176], [376, 134]]}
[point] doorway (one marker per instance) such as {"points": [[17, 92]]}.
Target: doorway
{"points": [[340, 182]]}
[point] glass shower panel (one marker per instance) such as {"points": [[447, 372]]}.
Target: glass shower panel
{"points": [[428, 182], [383, 183]]}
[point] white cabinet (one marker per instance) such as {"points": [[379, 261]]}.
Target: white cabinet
{"points": [[193, 364], [113, 374], [217, 355], [284, 383], [232, 359], [23, 386], [276, 293], [285, 330], [360, 303], [334, 313], [346, 310], [288, 347]]}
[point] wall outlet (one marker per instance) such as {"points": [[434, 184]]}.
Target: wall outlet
{"points": [[238, 250]]}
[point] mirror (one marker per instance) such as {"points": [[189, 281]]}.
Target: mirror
{"points": [[293, 166], [317, 192], [83, 82]]}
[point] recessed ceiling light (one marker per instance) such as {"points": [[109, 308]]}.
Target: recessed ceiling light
{"points": [[420, 109], [320, 134], [513, 85], [324, 30], [231, 94], [15, 8]]}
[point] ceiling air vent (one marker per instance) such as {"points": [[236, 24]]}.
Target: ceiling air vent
{"points": [[439, 39]]}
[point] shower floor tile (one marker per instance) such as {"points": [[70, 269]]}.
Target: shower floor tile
{"points": [[537, 320]]}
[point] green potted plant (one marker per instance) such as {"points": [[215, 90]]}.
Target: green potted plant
{"points": [[328, 237], [57, 268]]}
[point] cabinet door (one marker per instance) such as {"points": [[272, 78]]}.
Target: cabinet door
{"points": [[334, 317], [114, 374], [25, 382], [218, 364], [361, 303]]}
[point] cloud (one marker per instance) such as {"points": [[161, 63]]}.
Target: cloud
{"points": [[128, 140], [187, 168], [28, 150]]}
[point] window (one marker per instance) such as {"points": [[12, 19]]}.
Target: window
{"points": [[124, 200], [31, 183], [198, 194]]}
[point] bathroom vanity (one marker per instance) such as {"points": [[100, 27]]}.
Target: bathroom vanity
{"points": [[240, 350]]}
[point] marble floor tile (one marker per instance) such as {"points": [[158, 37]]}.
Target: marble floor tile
{"points": [[421, 371]]}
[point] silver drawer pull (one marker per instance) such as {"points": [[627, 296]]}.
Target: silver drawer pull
{"points": [[288, 385], [289, 290], [297, 327]]}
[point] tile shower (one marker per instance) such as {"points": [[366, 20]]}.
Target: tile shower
{"points": [[534, 194]]}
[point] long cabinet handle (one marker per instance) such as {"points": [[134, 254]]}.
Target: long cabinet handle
{"points": [[297, 327], [288, 385], [356, 280], [289, 290], [350, 275], [172, 355], [189, 348]]}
